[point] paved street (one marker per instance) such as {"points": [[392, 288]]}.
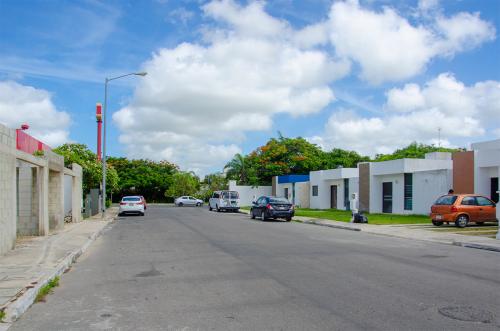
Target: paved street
{"points": [[191, 269]]}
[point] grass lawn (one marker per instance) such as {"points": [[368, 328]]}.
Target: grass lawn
{"points": [[345, 216]]}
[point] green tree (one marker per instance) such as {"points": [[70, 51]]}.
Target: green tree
{"points": [[341, 158], [183, 183], [239, 169], [145, 177], [412, 151], [211, 183], [92, 169]]}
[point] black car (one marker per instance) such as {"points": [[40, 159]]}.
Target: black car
{"points": [[267, 207]]}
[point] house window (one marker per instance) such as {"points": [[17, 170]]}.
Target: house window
{"points": [[315, 190], [408, 191]]}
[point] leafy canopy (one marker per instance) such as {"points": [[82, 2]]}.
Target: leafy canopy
{"points": [[92, 169], [183, 183]]}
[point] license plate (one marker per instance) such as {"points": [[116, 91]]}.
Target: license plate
{"points": [[130, 204], [439, 217]]}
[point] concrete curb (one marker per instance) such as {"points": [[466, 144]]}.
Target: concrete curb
{"points": [[329, 225], [336, 226], [477, 246], [26, 298]]}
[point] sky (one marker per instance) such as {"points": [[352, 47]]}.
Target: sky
{"points": [[224, 75]]}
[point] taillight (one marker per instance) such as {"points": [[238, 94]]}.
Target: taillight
{"points": [[140, 203], [454, 209], [123, 203], [269, 206]]}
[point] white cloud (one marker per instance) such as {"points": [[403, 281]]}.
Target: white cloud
{"points": [[197, 100], [25, 104], [200, 98], [416, 113], [388, 47]]}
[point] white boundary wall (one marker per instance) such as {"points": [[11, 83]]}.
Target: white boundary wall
{"points": [[249, 193]]}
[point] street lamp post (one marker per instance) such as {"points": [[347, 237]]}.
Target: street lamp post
{"points": [[106, 81]]}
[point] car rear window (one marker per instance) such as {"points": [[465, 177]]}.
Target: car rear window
{"points": [[230, 195], [131, 199], [446, 200], [278, 200]]}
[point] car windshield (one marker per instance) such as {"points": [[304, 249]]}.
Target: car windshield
{"points": [[278, 200], [131, 199], [230, 195], [446, 200]]}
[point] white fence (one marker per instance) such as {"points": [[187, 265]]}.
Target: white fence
{"points": [[249, 193]]}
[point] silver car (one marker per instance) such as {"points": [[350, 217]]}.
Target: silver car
{"points": [[188, 201]]}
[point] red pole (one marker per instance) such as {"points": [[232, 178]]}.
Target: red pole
{"points": [[98, 115]]}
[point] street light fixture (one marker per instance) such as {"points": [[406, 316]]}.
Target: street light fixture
{"points": [[106, 81]]}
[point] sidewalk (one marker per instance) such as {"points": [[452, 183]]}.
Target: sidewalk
{"points": [[408, 232], [36, 260]]}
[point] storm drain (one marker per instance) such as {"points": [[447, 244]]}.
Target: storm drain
{"points": [[467, 314]]}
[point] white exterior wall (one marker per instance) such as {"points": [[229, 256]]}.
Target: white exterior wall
{"points": [[249, 193], [301, 193], [427, 187], [280, 190], [397, 193], [486, 163], [326, 178]]}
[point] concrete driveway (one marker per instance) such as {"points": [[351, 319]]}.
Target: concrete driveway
{"points": [[191, 269]]}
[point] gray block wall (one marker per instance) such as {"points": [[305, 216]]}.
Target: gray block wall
{"points": [[8, 196], [27, 212]]}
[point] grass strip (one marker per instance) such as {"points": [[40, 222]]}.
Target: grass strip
{"points": [[47, 289]]}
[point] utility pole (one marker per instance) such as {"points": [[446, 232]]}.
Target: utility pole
{"points": [[439, 137]]}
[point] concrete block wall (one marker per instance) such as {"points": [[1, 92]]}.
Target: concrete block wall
{"points": [[8, 201], [27, 207], [56, 199]]}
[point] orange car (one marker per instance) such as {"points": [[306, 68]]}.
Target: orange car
{"points": [[463, 209]]}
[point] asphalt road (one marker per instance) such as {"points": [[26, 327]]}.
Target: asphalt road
{"points": [[191, 269]]}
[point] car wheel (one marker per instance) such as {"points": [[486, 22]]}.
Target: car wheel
{"points": [[209, 207], [142, 214], [437, 223], [288, 219], [180, 204], [217, 208], [462, 221], [198, 204], [252, 215], [263, 215]]}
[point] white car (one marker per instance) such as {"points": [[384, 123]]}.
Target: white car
{"points": [[131, 205], [187, 201], [224, 200]]}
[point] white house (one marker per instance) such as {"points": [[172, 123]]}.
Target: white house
{"points": [[293, 187], [487, 168], [404, 186], [248, 194], [333, 188]]}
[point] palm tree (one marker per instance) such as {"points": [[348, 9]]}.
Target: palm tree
{"points": [[237, 168]]}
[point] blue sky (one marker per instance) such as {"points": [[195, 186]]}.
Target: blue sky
{"points": [[224, 76]]}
